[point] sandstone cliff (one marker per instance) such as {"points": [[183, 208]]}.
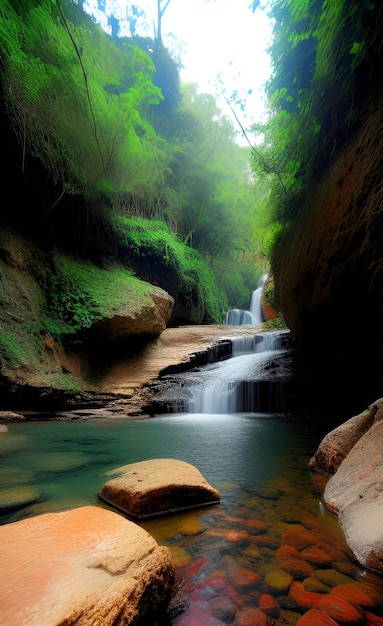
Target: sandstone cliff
{"points": [[328, 269]]}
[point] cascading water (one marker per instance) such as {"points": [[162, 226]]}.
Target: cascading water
{"points": [[253, 316], [238, 384]]}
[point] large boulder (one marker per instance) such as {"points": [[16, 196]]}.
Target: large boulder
{"points": [[353, 454], [86, 566], [157, 487]]}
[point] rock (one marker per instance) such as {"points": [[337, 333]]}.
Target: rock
{"points": [[18, 496], [340, 610], [157, 487], [335, 446], [353, 453], [150, 318], [11, 416], [278, 582], [355, 494], [317, 617], [86, 566], [251, 616]]}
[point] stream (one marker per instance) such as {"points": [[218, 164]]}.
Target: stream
{"points": [[238, 560]]}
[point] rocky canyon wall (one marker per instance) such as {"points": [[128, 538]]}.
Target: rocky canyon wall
{"points": [[328, 268]]}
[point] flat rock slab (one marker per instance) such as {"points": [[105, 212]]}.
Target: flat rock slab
{"points": [[86, 566], [157, 487]]}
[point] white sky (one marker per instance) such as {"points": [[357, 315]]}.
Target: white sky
{"points": [[216, 39]]}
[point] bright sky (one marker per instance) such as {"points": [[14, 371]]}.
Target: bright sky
{"points": [[216, 40]]}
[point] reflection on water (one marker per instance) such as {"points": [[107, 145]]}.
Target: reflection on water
{"points": [[260, 551]]}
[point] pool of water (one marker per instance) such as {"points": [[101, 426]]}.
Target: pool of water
{"points": [[228, 556]]}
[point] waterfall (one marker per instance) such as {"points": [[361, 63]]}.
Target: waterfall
{"points": [[238, 384], [254, 316]]}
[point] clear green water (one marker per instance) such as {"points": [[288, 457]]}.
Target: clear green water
{"points": [[66, 460], [259, 463]]}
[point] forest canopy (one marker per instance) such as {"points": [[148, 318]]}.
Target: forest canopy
{"points": [[101, 128]]}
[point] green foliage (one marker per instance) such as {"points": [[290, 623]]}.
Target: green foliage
{"points": [[81, 293], [324, 55], [151, 247], [12, 351], [113, 134]]}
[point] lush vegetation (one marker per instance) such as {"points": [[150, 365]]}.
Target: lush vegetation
{"points": [[118, 159], [107, 136], [326, 58]]}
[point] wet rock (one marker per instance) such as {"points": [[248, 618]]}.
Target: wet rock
{"points": [[85, 566], [242, 579], [298, 568], [317, 617], [304, 599], [340, 610], [223, 608], [18, 497], [353, 594], [278, 582], [253, 525], [251, 616], [331, 577], [299, 538], [160, 486], [316, 556], [268, 604]]}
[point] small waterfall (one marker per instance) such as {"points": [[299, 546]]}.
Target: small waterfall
{"points": [[240, 317], [236, 385], [256, 301], [254, 316]]}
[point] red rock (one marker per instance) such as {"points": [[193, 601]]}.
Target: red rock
{"points": [[251, 616], [298, 568], [316, 617], [268, 604], [219, 585], [255, 525], [340, 610], [304, 599], [243, 579], [285, 553], [354, 594], [230, 534], [316, 556], [192, 569], [299, 538], [372, 619], [266, 540]]}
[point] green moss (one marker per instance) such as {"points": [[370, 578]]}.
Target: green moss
{"points": [[151, 244], [79, 294], [63, 381], [12, 350]]}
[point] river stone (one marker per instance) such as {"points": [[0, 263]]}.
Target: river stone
{"points": [[157, 487], [85, 566], [18, 496]]}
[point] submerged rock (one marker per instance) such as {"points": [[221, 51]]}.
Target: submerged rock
{"points": [[86, 566], [157, 487]]}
